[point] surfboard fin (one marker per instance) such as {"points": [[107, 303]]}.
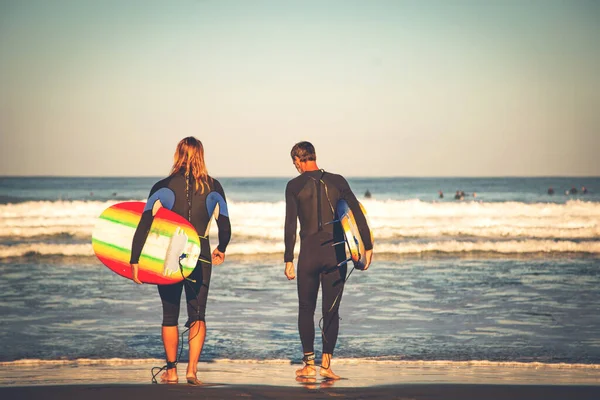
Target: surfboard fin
{"points": [[338, 243]]}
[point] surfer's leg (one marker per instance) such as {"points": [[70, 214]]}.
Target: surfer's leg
{"points": [[197, 295], [308, 290], [170, 338], [196, 337], [333, 287], [325, 370], [170, 296]]}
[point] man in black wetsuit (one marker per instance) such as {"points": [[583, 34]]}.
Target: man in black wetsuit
{"points": [[311, 198]]}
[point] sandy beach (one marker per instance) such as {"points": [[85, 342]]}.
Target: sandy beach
{"points": [[417, 391], [273, 380]]}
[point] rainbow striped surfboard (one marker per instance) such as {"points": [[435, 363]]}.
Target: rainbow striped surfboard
{"points": [[170, 237]]}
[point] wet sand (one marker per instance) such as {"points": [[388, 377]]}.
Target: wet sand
{"points": [[416, 391], [275, 380]]}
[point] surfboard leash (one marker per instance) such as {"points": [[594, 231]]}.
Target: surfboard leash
{"points": [[333, 305], [173, 364], [169, 364], [338, 266], [189, 282], [311, 357]]}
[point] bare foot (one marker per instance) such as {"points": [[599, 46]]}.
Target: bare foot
{"points": [[308, 370], [327, 373], [170, 376], [192, 380]]}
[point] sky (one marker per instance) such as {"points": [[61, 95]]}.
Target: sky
{"points": [[381, 88]]}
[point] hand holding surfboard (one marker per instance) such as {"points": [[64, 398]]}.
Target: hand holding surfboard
{"points": [[360, 257]]}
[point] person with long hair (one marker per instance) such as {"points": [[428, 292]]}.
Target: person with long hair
{"points": [[190, 192]]}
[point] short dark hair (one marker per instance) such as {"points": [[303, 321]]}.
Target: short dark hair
{"points": [[305, 151]]}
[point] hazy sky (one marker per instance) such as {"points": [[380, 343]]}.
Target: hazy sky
{"points": [[382, 88]]}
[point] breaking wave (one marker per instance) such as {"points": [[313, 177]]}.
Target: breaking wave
{"points": [[400, 227]]}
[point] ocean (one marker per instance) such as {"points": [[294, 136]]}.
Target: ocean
{"points": [[511, 275]]}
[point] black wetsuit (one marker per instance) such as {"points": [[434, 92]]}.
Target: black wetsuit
{"points": [[198, 208], [310, 198]]}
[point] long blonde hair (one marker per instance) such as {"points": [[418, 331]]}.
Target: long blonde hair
{"points": [[189, 159]]}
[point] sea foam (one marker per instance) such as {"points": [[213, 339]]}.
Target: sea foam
{"points": [[400, 227]]}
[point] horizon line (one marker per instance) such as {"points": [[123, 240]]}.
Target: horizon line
{"points": [[291, 176]]}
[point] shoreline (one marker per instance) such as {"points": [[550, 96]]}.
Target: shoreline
{"points": [[281, 373], [337, 361]]}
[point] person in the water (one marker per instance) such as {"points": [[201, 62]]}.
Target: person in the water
{"points": [[310, 198]]}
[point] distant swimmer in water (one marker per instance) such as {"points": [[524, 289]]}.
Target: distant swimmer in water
{"points": [[550, 191], [584, 190], [441, 194], [460, 195], [367, 194], [573, 190], [474, 194]]}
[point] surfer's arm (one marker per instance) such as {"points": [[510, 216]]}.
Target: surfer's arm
{"points": [[223, 222], [359, 216], [159, 197], [291, 221], [140, 236]]}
